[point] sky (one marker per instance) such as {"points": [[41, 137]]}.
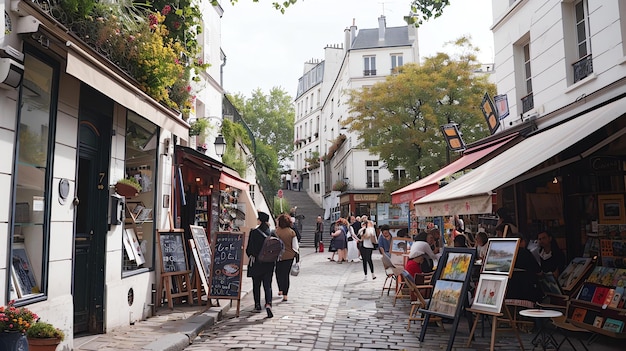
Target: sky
{"points": [[266, 49]]}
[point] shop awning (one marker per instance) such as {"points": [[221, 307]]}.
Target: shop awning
{"points": [[471, 193], [428, 184], [233, 180]]}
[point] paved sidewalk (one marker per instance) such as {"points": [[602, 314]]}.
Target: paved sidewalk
{"points": [[169, 330]]}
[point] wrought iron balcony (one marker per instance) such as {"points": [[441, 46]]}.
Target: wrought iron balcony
{"points": [[582, 68], [528, 103], [370, 72]]}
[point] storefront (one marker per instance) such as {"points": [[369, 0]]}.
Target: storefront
{"points": [[358, 203], [557, 179]]}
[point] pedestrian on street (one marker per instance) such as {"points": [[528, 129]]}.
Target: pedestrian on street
{"points": [[340, 239], [384, 241], [319, 229], [368, 241], [261, 272], [353, 250], [283, 267], [331, 244]]}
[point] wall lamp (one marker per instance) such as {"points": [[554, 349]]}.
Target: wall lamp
{"points": [[220, 145]]}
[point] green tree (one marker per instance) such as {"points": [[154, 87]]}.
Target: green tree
{"points": [[423, 10], [271, 118], [400, 118]]}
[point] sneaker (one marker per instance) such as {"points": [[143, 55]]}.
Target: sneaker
{"points": [[373, 276], [257, 309], [365, 278], [268, 308]]}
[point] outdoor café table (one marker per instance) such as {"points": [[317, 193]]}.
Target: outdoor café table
{"points": [[543, 337]]}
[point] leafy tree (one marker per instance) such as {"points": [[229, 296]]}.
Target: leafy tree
{"points": [[400, 118], [423, 10], [271, 118]]}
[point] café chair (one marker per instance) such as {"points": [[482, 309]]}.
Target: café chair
{"points": [[417, 299], [391, 271]]}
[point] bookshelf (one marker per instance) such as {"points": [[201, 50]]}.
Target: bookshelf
{"points": [[600, 305]]}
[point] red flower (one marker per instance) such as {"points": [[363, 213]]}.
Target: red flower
{"points": [[153, 19], [176, 25], [166, 9]]}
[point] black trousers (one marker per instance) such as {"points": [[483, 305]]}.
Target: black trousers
{"points": [[283, 268], [266, 279], [318, 238], [366, 256]]}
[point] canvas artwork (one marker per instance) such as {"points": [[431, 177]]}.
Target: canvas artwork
{"points": [[500, 258], [445, 298], [490, 293], [549, 285], [574, 272], [401, 245], [457, 266]]}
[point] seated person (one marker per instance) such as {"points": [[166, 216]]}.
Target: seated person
{"points": [[421, 259], [460, 241], [524, 283], [551, 256], [481, 244]]}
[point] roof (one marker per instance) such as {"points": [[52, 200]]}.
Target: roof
{"points": [[394, 36]]}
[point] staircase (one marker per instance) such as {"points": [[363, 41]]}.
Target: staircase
{"points": [[310, 210]]}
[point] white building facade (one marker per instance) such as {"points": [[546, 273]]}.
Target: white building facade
{"points": [[349, 178]]}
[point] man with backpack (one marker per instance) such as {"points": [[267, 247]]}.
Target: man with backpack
{"points": [[262, 259]]}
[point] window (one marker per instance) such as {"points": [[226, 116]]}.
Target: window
{"points": [[371, 169], [32, 181], [369, 65], [396, 61], [142, 138], [527, 101], [399, 174], [583, 66]]}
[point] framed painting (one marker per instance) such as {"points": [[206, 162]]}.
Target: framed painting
{"points": [[549, 284], [574, 273], [400, 246], [456, 265], [500, 257], [611, 208], [490, 293], [446, 297]]}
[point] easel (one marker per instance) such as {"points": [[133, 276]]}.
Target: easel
{"points": [[180, 281], [174, 274], [199, 280], [494, 323]]}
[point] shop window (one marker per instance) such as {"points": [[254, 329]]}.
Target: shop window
{"points": [[32, 181], [142, 144]]}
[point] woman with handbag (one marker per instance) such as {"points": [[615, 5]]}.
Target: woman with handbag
{"points": [[285, 233], [340, 239], [368, 241]]}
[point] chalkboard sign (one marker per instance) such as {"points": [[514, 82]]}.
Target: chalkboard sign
{"points": [[173, 254], [203, 247], [227, 266]]}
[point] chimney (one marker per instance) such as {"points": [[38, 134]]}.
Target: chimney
{"points": [[352, 34], [381, 28], [346, 38]]}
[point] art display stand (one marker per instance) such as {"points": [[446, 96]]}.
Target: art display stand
{"points": [[497, 269], [175, 279], [506, 316], [451, 283]]}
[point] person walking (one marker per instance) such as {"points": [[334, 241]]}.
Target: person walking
{"points": [[319, 229], [283, 267], [260, 272], [368, 241], [352, 248], [340, 239]]}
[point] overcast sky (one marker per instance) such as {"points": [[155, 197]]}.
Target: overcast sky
{"points": [[266, 49]]}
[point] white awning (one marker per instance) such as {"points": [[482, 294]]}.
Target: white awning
{"points": [[110, 84], [479, 184]]}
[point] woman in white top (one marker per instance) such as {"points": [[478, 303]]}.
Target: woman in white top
{"points": [[368, 240], [353, 249]]}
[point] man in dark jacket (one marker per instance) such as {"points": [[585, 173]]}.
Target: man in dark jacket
{"points": [[261, 272]]}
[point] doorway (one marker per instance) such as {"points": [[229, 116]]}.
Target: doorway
{"points": [[94, 140]]}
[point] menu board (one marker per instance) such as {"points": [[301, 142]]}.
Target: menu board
{"points": [[172, 252], [203, 247], [225, 277]]}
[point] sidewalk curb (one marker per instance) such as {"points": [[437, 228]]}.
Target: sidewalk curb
{"points": [[190, 329]]}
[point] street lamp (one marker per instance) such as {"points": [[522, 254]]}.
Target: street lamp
{"points": [[220, 145]]}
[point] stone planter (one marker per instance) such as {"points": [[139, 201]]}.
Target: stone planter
{"points": [[44, 344], [126, 190]]}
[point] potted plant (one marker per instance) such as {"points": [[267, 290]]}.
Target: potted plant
{"points": [[128, 187], [14, 322], [43, 336]]}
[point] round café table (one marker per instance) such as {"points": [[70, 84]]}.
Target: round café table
{"points": [[542, 338]]}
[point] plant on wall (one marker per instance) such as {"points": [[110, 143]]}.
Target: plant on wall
{"points": [[340, 185]]}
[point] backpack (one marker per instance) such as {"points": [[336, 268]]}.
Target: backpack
{"points": [[272, 249]]}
